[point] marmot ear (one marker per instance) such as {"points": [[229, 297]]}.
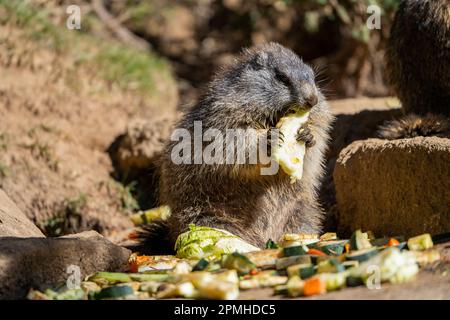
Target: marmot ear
{"points": [[259, 60]]}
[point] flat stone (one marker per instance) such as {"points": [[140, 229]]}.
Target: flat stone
{"points": [[399, 187], [40, 263]]}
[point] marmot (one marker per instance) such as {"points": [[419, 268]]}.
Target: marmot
{"points": [[254, 92], [418, 69]]}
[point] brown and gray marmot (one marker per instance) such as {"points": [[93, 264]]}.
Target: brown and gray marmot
{"points": [[254, 92], [418, 69]]}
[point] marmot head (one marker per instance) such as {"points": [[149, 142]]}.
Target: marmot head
{"points": [[266, 82]]}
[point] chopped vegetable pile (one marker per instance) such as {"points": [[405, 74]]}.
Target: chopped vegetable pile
{"points": [[299, 265]]}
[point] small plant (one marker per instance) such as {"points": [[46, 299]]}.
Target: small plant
{"points": [[127, 196], [3, 142], [66, 218], [45, 152], [4, 170]]}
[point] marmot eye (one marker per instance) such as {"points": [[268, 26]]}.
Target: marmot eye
{"points": [[283, 78]]}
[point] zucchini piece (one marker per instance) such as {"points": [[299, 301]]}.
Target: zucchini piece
{"points": [[354, 281], [359, 241], [283, 263], [304, 271], [334, 281], [248, 284], [362, 255], [118, 291], [110, 277], [294, 239], [335, 247], [265, 259], [328, 236], [270, 244], [144, 217], [281, 290], [227, 275], [330, 266], [119, 277], [294, 251], [426, 257], [381, 242], [238, 262], [350, 264], [201, 265], [420, 243], [295, 287], [401, 245]]}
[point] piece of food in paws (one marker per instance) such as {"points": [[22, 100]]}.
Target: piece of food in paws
{"points": [[290, 152]]}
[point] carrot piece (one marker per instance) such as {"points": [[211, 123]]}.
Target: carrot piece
{"points": [[347, 247], [393, 242], [314, 286], [133, 235], [316, 252], [136, 262], [254, 272]]}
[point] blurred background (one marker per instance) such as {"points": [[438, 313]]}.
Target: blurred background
{"points": [[82, 108]]}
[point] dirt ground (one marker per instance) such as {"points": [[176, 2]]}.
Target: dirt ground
{"points": [[57, 121]]}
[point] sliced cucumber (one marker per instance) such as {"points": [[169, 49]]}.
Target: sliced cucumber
{"points": [[114, 292], [283, 263], [380, 242], [359, 240], [304, 271], [270, 244], [350, 264], [334, 247], [281, 289], [334, 281], [238, 262], [353, 281], [362, 255], [201, 265], [328, 236], [295, 286], [330, 266], [294, 251]]}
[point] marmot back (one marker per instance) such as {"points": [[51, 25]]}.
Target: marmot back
{"points": [[418, 68]]}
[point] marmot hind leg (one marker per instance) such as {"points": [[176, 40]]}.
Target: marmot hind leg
{"points": [[413, 125]]}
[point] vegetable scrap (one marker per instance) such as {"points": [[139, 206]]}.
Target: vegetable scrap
{"points": [[290, 152], [208, 265]]}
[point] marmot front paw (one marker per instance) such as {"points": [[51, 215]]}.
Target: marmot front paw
{"points": [[304, 134]]}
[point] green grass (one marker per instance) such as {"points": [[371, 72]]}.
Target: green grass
{"points": [[116, 63], [60, 223], [4, 170], [127, 195]]}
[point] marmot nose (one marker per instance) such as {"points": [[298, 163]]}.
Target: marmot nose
{"points": [[309, 94], [311, 100]]}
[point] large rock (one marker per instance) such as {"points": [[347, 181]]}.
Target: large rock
{"points": [[394, 187], [42, 262], [14, 223]]}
